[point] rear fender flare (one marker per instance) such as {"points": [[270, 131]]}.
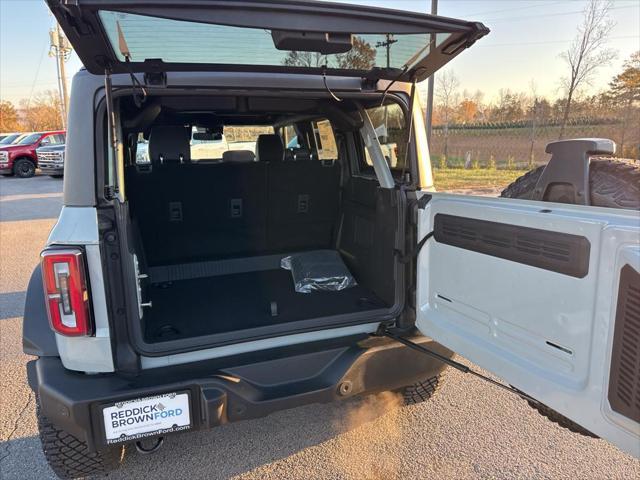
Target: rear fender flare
{"points": [[37, 337]]}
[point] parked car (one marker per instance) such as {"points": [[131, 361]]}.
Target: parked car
{"points": [[11, 138], [51, 160], [5, 135], [177, 296], [20, 157]]}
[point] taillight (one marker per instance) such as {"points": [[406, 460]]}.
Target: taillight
{"points": [[66, 290]]}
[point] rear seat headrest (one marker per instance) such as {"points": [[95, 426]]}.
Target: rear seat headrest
{"points": [[269, 148], [238, 156], [170, 144]]}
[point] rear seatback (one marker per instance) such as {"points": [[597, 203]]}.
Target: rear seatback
{"points": [[303, 202], [190, 212]]}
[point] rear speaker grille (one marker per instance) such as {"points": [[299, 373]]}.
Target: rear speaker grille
{"points": [[624, 377]]}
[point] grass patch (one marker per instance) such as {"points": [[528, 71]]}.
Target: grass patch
{"points": [[457, 178]]}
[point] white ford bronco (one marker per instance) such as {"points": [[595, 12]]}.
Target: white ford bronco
{"points": [[307, 265]]}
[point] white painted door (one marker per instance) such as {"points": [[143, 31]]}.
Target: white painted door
{"points": [[544, 295]]}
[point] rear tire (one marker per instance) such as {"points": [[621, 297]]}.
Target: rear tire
{"points": [[55, 176], [421, 391], [24, 168], [613, 184], [561, 420], [69, 457]]}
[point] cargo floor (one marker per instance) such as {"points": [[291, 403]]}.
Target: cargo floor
{"points": [[219, 304]]}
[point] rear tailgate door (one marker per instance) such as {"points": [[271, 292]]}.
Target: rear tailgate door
{"points": [[297, 36]]}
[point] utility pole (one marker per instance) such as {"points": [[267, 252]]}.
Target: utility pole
{"points": [[60, 49], [430, 82], [387, 43], [390, 41]]}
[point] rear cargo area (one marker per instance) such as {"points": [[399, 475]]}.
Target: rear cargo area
{"points": [[208, 235], [208, 305]]}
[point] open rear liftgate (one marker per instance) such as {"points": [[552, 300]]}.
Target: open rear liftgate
{"points": [[569, 165]]}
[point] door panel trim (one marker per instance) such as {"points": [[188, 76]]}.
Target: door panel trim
{"points": [[624, 384], [555, 251]]}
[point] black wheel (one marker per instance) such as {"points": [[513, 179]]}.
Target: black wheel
{"points": [[421, 391], [68, 456], [613, 183], [55, 176], [24, 168]]}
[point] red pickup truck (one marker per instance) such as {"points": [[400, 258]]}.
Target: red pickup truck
{"points": [[20, 158]]}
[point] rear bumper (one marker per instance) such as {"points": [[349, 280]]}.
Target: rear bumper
{"points": [[51, 170], [5, 170], [74, 401]]}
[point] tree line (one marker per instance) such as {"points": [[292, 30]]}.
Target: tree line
{"points": [[41, 113], [620, 101]]}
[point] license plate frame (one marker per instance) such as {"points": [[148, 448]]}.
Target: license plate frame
{"points": [[113, 435]]}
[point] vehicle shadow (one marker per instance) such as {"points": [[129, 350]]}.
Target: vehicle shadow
{"points": [[223, 452], [241, 447]]}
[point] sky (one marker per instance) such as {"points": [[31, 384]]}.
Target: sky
{"points": [[524, 46]]}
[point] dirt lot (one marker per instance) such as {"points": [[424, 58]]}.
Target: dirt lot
{"points": [[469, 430]]}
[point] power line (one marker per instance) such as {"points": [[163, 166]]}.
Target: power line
{"points": [[549, 42], [573, 12], [522, 7], [33, 85]]}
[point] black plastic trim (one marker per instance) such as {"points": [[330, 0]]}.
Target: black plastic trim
{"points": [[624, 376], [559, 252], [37, 336], [272, 381]]}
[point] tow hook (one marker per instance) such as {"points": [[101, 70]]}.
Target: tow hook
{"points": [[153, 449]]}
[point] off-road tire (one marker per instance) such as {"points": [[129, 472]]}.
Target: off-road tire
{"points": [[561, 420], [68, 456], [421, 391], [613, 183], [24, 168]]}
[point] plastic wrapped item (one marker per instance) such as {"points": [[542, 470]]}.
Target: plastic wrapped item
{"points": [[318, 271]]}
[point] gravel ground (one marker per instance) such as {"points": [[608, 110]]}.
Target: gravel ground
{"points": [[468, 430]]}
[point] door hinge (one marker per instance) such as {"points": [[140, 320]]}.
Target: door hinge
{"points": [[457, 365]]}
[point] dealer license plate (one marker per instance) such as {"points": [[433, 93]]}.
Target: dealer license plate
{"points": [[144, 417]]}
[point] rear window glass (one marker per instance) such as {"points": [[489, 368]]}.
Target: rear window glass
{"points": [[213, 148], [390, 126], [29, 139], [325, 141], [317, 139], [176, 41]]}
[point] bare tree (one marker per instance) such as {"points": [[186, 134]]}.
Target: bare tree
{"points": [[587, 52], [304, 59], [446, 93]]}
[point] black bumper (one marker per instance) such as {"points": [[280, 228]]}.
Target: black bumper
{"points": [[6, 171], [73, 401], [51, 170]]}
